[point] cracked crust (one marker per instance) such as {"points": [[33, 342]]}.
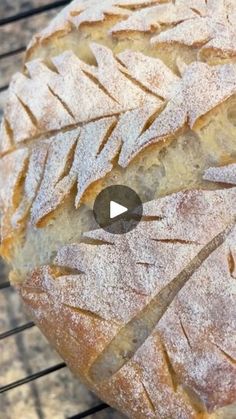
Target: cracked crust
{"points": [[140, 93]]}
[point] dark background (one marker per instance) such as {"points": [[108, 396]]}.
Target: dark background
{"points": [[57, 395]]}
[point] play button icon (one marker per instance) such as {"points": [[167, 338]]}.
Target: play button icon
{"points": [[118, 209]]}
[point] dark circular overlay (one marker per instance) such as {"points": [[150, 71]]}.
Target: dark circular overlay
{"points": [[121, 195]]}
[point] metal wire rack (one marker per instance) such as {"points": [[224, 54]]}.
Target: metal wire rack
{"points": [[6, 285]]}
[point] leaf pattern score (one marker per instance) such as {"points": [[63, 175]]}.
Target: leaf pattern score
{"points": [[120, 128], [208, 25], [162, 251]]}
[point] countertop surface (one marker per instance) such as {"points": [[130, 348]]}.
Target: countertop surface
{"points": [[58, 395]]}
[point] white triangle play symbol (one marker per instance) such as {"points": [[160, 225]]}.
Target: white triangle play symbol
{"points": [[116, 209]]}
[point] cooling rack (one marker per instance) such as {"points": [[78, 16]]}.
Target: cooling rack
{"points": [[42, 373], [6, 285]]}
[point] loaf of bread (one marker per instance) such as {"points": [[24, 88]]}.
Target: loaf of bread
{"points": [[139, 93]]}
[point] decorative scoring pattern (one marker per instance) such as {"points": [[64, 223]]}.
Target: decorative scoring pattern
{"points": [[206, 24], [135, 89], [186, 238], [65, 124]]}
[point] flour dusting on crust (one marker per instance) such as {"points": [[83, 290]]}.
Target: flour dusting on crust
{"points": [[140, 93]]}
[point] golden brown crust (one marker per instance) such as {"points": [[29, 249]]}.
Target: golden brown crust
{"points": [[183, 346], [140, 117], [208, 25], [146, 319]]}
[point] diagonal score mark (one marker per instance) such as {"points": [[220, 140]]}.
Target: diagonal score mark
{"points": [[51, 133], [129, 339], [62, 102]]}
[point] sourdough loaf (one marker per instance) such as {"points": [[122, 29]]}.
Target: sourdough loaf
{"points": [[140, 93]]}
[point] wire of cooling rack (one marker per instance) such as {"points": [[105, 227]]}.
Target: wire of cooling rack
{"points": [[6, 285], [25, 15], [4, 88], [16, 330], [33, 12], [43, 373], [91, 411], [12, 52], [39, 374], [32, 377]]}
